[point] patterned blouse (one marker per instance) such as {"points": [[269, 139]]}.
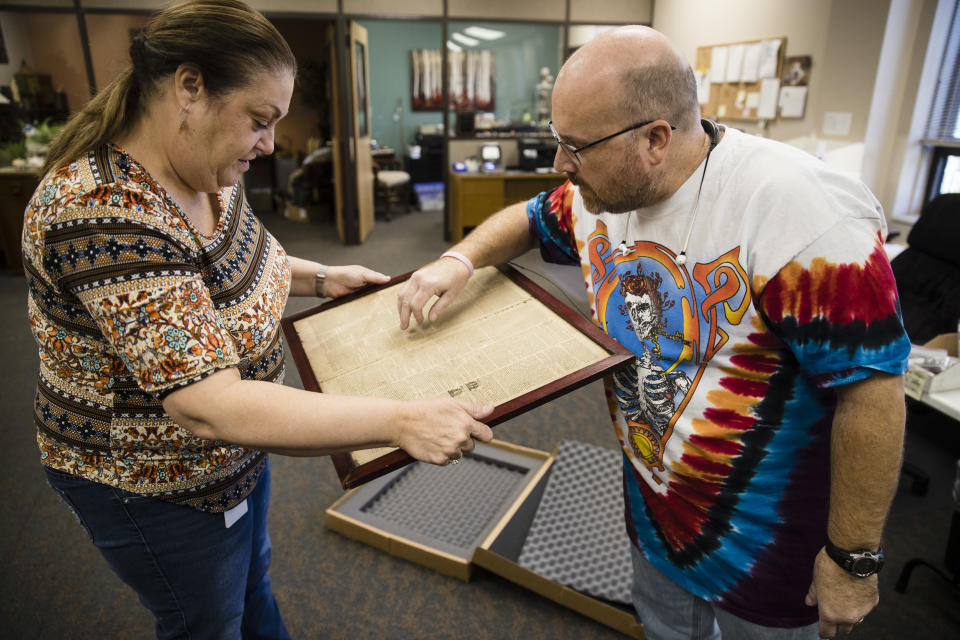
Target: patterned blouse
{"points": [[128, 302]]}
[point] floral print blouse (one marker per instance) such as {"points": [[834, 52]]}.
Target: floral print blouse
{"points": [[128, 302]]}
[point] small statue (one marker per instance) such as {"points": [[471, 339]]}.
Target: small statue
{"points": [[544, 91]]}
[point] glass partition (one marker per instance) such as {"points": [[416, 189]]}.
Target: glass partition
{"points": [[393, 121], [415, 136], [501, 76]]}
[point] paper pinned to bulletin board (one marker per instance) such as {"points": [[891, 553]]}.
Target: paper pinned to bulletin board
{"points": [[740, 80]]}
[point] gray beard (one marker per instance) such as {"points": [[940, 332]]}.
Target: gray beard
{"points": [[622, 201], [642, 197]]}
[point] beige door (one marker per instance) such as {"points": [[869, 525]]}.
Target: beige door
{"points": [[360, 180]]}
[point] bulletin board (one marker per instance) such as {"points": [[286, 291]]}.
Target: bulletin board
{"points": [[740, 80]]}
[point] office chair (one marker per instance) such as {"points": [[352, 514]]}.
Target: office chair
{"points": [[951, 558], [928, 280], [928, 271]]}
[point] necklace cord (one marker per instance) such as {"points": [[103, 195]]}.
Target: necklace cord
{"points": [[682, 258]]}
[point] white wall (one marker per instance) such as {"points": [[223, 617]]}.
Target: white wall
{"points": [[913, 83], [843, 67], [863, 64]]}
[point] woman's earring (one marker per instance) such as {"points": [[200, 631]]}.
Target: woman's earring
{"points": [[183, 120]]}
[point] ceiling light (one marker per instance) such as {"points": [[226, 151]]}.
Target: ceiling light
{"points": [[453, 46], [470, 42], [483, 33]]}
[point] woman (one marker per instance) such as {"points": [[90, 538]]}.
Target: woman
{"points": [[155, 298]]}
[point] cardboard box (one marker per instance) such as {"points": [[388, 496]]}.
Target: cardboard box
{"points": [[920, 382], [493, 543], [354, 514]]}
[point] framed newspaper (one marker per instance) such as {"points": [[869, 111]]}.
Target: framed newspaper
{"points": [[503, 342]]}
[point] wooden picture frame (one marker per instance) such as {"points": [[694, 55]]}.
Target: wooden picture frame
{"points": [[598, 355]]}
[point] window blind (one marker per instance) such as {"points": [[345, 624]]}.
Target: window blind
{"points": [[943, 126]]}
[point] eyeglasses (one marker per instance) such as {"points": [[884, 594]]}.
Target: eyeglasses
{"points": [[574, 152]]}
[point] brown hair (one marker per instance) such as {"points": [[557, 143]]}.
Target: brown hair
{"points": [[228, 41], [664, 88]]}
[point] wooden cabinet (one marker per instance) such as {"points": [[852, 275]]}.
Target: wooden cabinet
{"points": [[16, 188], [474, 197]]}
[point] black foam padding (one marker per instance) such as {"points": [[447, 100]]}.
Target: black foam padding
{"points": [[451, 508], [452, 504], [578, 537]]}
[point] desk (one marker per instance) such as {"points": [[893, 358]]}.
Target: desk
{"points": [[946, 402], [475, 196], [383, 154], [16, 187]]}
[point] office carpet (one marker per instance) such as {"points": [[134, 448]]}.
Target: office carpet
{"points": [[55, 585]]}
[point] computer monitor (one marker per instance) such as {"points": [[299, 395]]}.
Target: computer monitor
{"points": [[536, 153], [490, 153]]}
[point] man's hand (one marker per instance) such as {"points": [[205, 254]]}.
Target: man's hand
{"points": [[444, 278], [842, 599], [346, 279], [441, 430]]}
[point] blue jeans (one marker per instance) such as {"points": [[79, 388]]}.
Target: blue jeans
{"points": [[198, 578], [669, 612]]}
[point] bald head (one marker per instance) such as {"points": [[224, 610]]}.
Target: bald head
{"points": [[634, 69]]}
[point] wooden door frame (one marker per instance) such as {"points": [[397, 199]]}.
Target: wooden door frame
{"points": [[349, 207], [358, 44]]}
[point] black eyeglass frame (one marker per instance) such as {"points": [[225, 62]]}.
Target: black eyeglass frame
{"points": [[575, 151]]}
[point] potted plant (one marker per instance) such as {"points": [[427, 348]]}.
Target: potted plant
{"points": [[38, 137], [12, 152]]}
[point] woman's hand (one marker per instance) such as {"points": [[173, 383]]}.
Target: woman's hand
{"points": [[440, 430], [346, 279]]}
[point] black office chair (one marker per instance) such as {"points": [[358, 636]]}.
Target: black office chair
{"points": [[951, 558], [928, 271], [928, 280]]}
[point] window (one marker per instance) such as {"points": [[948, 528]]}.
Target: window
{"points": [[943, 126]]}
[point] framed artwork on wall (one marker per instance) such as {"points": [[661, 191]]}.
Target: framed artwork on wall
{"points": [[472, 79]]}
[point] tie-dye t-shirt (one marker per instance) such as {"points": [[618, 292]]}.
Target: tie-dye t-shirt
{"points": [[725, 416]]}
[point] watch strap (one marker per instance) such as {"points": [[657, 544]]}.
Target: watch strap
{"points": [[320, 279], [860, 562]]}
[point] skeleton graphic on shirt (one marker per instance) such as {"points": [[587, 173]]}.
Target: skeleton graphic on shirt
{"points": [[647, 393]]}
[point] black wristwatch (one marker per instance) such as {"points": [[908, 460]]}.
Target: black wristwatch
{"points": [[861, 563]]}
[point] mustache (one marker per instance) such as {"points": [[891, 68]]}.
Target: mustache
{"points": [[576, 181]]}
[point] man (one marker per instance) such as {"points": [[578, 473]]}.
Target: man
{"points": [[762, 427]]}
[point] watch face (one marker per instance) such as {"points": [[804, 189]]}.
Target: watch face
{"points": [[864, 566]]}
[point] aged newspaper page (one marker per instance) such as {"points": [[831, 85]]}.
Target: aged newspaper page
{"points": [[494, 343]]}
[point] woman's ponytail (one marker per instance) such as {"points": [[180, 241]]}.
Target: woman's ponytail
{"points": [[104, 117]]}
